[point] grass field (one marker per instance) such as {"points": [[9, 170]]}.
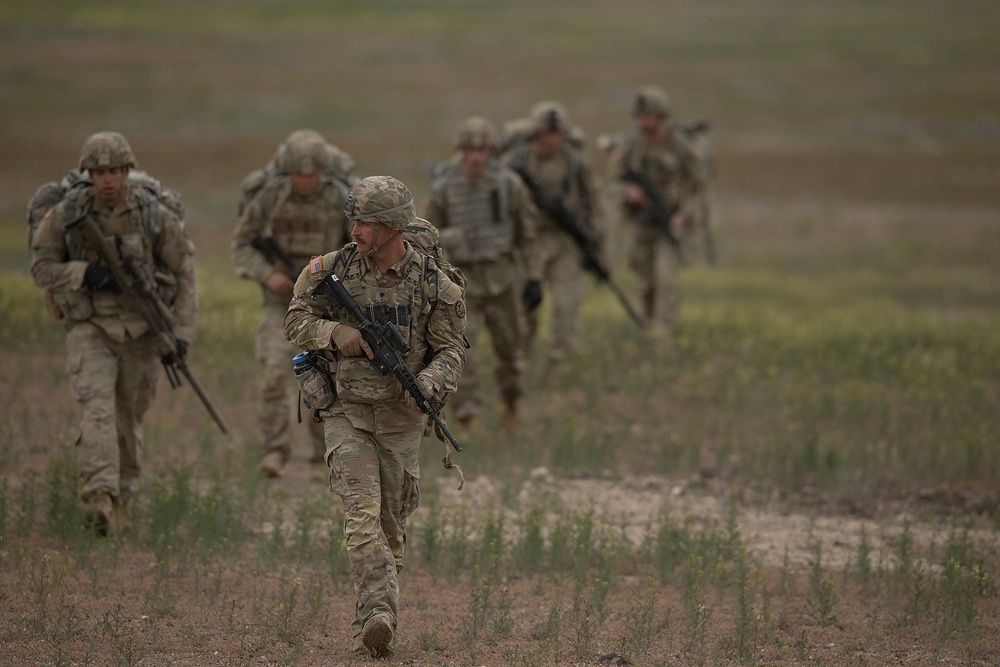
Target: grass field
{"points": [[808, 475]]}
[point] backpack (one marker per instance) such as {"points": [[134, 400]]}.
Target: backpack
{"points": [[695, 135], [52, 193]]}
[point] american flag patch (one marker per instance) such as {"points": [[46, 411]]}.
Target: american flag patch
{"points": [[316, 265]]}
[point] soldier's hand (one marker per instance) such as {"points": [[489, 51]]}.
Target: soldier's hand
{"points": [[279, 283], [635, 196], [532, 294], [100, 278], [349, 341], [427, 390]]}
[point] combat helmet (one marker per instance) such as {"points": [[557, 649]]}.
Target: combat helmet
{"points": [[303, 152], [651, 100], [106, 150], [548, 116], [381, 199], [476, 132]]}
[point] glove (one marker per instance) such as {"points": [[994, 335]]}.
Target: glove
{"points": [[100, 278], [182, 348], [349, 341], [532, 296], [426, 388]]}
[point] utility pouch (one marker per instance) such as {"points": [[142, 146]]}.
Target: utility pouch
{"points": [[312, 375]]}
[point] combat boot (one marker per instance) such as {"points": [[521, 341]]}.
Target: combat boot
{"points": [[377, 635], [271, 466], [98, 511]]}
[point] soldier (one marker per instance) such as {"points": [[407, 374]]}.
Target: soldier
{"points": [[662, 181], [296, 214], [372, 426], [488, 227], [113, 356], [557, 171]]}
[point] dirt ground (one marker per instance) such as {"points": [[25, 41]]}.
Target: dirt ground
{"points": [[239, 611]]}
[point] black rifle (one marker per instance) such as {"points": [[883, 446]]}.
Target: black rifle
{"points": [[658, 212], [140, 290], [273, 251], [555, 208], [388, 346]]}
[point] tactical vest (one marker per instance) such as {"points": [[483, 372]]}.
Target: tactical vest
{"points": [[138, 237], [663, 165], [299, 224], [565, 184], [404, 305], [477, 225]]}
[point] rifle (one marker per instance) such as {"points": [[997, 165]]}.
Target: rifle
{"points": [[273, 250], [555, 208], [659, 212], [140, 290], [388, 346]]}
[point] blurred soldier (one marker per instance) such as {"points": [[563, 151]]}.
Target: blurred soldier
{"points": [[488, 227], [295, 215], [373, 428], [662, 181], [113, 356], [557, 171]]}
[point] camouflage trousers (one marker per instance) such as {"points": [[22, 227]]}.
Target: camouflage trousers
{"points": [[115, 384], [564, 289], [657, 262], [377, 479], [504, 318], [278, 391]]}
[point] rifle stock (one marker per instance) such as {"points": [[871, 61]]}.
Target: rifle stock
{"points": [[555, 209], [139, 289], [388, 346]]}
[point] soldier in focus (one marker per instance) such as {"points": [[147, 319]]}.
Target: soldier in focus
{"points": [[488, 226], [373, 428], [559, 169], [114, 357], [654, 154], [295, 215]]}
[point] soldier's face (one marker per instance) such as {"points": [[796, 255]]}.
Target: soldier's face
{"points": [[367, 234], [547, 143], [305, 184], [474, 161], [109, 184], [651, 125]]}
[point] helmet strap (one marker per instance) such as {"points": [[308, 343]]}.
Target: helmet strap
{"points": [[376, 246]]}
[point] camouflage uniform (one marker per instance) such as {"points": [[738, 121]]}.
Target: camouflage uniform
{"points": [[113, 357], [488, 230], [372, 433], [566, 176], [672, 167], [304, 226]]}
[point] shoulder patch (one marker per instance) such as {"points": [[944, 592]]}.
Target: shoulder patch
{"points": [[316, 265], [449, 291]]}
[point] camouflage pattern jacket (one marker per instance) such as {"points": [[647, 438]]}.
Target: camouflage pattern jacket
{"points": [[415, 295], [303, 226], [671, 165], [60, 258]]}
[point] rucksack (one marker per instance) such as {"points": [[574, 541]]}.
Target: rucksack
{"points": [[52, 193]]}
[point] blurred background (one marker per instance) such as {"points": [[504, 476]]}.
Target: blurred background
{"points": [[892, 101]]}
